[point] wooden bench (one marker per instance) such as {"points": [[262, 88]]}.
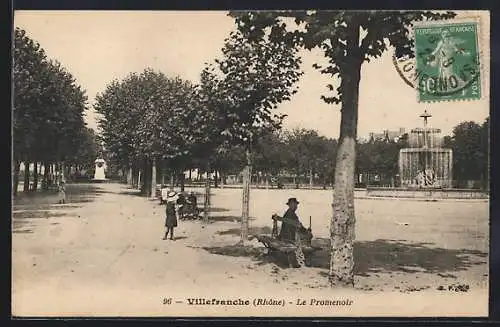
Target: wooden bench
{"points": [[276, 246]]}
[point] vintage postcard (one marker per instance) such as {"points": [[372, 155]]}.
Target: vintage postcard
{"points": [[250, 164]]}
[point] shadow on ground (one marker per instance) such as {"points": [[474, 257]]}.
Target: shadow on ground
{"points": [[80, 193], [75, 193], [252, 230], [258, 254], [374, 256], [44, 204], [227, 218], [22, 222], [131, 192], [35, 214], [52, 207], [215, 209], [22, 227]]}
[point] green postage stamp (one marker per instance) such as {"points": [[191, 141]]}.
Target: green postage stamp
{"points": [[447, 61]]}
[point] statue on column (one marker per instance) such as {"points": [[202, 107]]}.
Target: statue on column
{"points": [[100, 169]]}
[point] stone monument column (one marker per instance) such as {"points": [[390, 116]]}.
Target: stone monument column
{"points": [[100, 165]]}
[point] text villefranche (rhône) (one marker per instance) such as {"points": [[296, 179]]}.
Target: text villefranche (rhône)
{"points": [[258, 302]]}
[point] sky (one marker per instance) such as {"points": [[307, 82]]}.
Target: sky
{"points": [[100, 46]]}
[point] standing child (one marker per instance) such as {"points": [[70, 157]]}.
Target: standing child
{"points": [[171, 215], [62, 192]]}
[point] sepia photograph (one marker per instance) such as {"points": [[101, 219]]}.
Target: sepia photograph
{"points": [[315, 163]]}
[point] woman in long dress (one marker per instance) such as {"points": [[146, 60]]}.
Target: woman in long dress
{"points": [[442, 56], [170, 215]]}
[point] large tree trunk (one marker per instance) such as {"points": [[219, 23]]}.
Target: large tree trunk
{"points": [[139, 179], [65, 170], [153, 178], [147, 178], [206, 202], [216, 179], [46, 172], [172, 181], [35, 176], [311, 177], [159, 174], [342, 228], [129, 176], [15, 178], [57, 172], [183, 181], [26, 186], [247, 176]]}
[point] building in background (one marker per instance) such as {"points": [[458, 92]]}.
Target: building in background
{"points": [[387, 135]]}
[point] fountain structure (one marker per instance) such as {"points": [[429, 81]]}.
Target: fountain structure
{"points": [[425, 164], [425, 169]]}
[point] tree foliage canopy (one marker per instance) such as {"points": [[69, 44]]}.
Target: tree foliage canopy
{"points": [[48, 105], [337, 34], [146, 115], [243, 87], [470, 144]]}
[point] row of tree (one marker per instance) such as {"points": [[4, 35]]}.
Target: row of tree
{"points": [[299, 153], [47, 115], [304, 154], [146, 122], [470, 144]]}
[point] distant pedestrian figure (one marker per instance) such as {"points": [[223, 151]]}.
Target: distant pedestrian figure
{"points": [[62, 192], [171, 215], [180, 203]]}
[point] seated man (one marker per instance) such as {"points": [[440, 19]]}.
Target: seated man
{"points": [[192, 199], [290, 222], [192, 205], [181, 201]]}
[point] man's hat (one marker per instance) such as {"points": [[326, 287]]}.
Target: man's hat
{"points": [[292, 200]]}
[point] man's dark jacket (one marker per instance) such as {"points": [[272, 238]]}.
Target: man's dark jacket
{"points": [[287, 232]]}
